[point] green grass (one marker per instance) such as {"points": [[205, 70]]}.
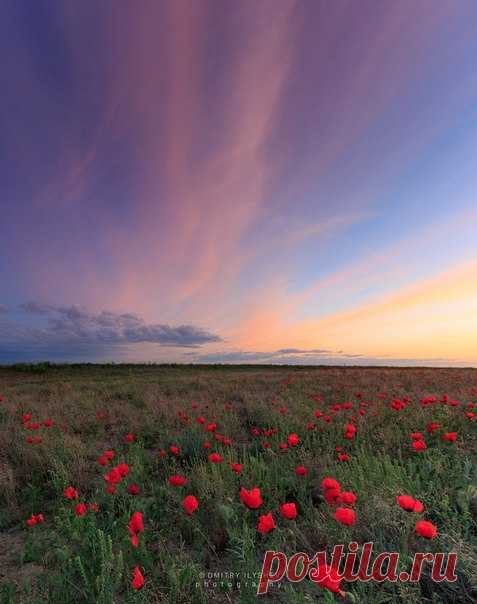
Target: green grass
{"points": [[90, 559]]}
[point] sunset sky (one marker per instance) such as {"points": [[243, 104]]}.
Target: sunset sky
{"points": [[239, 181]]}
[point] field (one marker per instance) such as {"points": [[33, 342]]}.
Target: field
{"points": [[83, 448]]}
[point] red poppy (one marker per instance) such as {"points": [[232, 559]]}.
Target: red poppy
{"points": [[177, 481], [71, 493], [283, 446], [327, 577], [301, 471], [236, 467], [35, 519], [416, 436], [345, 516], [123, 469], [449, 436], [288, 511], [215, 458], [174, 450], [190, 504], [330, 483], [348, 498], [48, 423], [81, 509], [102, 461], [109, 454], [138, 579], [211, 427], [266, 523], [252, 499], [426, 529], [409, 504], [129, 437], [419, 445], [113, 477], [136, 524], [293, 440], [207, 445], [133, 489], [343, 457]]}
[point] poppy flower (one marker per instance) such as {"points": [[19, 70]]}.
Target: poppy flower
{"points": [[345, 516], [215, 458], [48, 423], [332, 496], [252, 499], [330, 483], [136, 524], [123, 469], [343, 457], [109, 454], [200, 420], [432, 427], [236, 467], [138, 579], [174, 450], [177, 481], [162, 453], [129, 437], [426, 529], [288, 511], [449, 436], [70, 493], [133, 489], [301, 471], [103, 461], [266, 523], [94, 507], [227, 442], [81, 509], [211, 427], [207, 445], [409, 504], [113, 477], [283, 446], [416, 436], [327, 577], [190, 504], [35, 519], [348, 498], [419, 445], [293, 440], [111, 489]]}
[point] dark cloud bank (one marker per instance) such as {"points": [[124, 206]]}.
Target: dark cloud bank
{"points": [[53, 332]]}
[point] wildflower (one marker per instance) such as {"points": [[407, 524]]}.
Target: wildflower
{"points": [[252, 499], [129, 437], [266, 523], [409, 504], [301, 471], [133, 489], [288, 511], [80, 509], [174, 450], [293, 440], [236, 467], [190, 504], [138, 579], [426, 529], [449, 436], [177, 481], [419, 445], [71, 493], [348, 498], [215, 458], [35, 519], [345, 516]]}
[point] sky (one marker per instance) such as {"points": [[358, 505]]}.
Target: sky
{"points": [[219, 181]]}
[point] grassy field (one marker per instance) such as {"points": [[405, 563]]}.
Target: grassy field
{"points": [[55, 549]]}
